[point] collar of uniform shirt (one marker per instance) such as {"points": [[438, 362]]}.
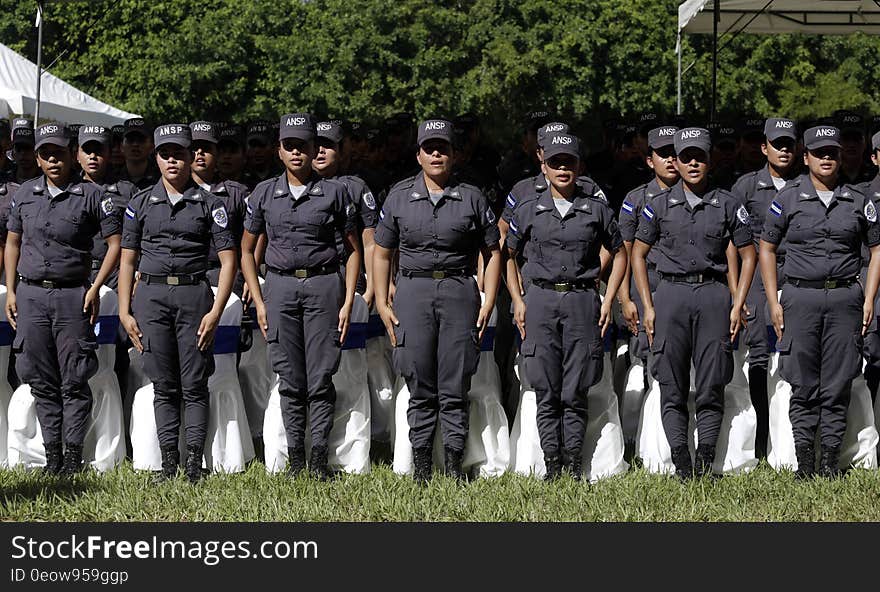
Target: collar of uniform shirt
{"points": [[579, 201], [191, 192], [677, 196], [282, 188], [420, 190], [806, 190]]}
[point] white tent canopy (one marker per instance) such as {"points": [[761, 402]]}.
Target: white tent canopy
{"points": [[817, 17], [58, 100]]}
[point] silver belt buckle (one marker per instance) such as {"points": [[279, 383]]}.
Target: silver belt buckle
{"points": [[172, 280], [438, 275], [301, 273], [48, 284]]}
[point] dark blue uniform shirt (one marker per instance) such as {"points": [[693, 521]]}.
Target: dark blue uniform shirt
{"points": [[693, 240], [120, 193], [822, 243], [7, 190], [528, 190], [57, 232], [563, 248], [233, 195], [302, 233], [756, 190], [447, 236], [175, 239]]}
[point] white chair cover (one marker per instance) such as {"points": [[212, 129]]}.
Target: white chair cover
{"points": [[6, 337], [487, 448], [256, 378], [381, 379], [350, 435]]}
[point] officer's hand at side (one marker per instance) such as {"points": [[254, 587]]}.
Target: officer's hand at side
{"points": [[344, 322], [605, 316], [246, 296], [650, 315], [92, 304], [389, 320], [11, 309], [134, 332], [777, 319], [630, 315], [392, 291], [262, 319], [519, 316], [867, 316], [735, 320], [483, 319], [207, 328], [368, 298]]}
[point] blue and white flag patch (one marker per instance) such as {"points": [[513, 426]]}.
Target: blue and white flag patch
{"points": [[130, 213], [511, 201], [628, 207], [513, 227], [648, 213], [775, 208]]}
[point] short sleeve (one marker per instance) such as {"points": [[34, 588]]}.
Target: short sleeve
{"points": [[611, 237], [648, 230], [516, 237], [488, 223], [740, 223], [131, 226], [107, 213], [871, 224], [629, 216], [14, 222], [255, 217], [776, 221], [221, 232], [345, 216], [387, 231]]}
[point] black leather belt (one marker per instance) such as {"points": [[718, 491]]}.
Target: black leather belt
{"points": [[694, 278], [565, 286], [822, 284], [306, 272], [53, 284], [436, 274], [189, 279]]}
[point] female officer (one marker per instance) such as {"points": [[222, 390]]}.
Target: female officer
{"points": [[824, 224], [560, 234], [692, 226], [307, 308], [172, 320], [440, 226], [51, 225]]}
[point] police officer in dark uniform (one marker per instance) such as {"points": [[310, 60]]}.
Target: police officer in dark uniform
{"points": [[231, 157], [725, 150], [439, 226], [260, 162], [755, 191], [23, 156], [854, 167], [117, 159], [232, 194], [137, 146], [49, 301], [562, 321], [871, 190], [691, 226], [168, 231], [307, 307], [751, 137], [824, 312]]}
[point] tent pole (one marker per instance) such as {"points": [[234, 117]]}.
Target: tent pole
{"points": [[39, 60], [715, 18], [678, 81]]}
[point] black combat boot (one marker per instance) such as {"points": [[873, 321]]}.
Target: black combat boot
{"points": [[806, 459], [681, 458], [170, 462], [423, 465], [193, 468], [54, 458], [573, 463], [318, 464], [296, 458], [259, 450], [828, 463], [73, 460], [453, 459], [704, 458], [553, 465]]}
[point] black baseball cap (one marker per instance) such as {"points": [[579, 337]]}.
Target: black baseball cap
{"points": [[22, 131], [663, 136], [204, 131], [435, 129], [752, 129], [553, 127], [875, 142], [297, 125], [556, 144], [52, 133], [232, 134], [821, 136], [136, 125], [849, 121], [117, 131], [722, 133], [693, 137], [173, 133], [94, 133], [259, 130], [331, 130], [778, 127]]}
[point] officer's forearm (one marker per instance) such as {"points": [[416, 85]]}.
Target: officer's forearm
{"points": [[382, 273], [10, 260], [618, 269], [623, 294], [126, 280], [249, 267], [368, 238], [733, 270], [873, 276], [111, 260], [228, 267], [747, 254], [259, 253], [512, 275], [492, 274], [352, 269], [767, 261], [503, 227], [640, 272]]}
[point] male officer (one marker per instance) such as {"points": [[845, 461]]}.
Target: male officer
{"points": [[204, 174], [824, 311], [49, 301], [137, 146], [23, 156], [691, 227], [307, 309], [168, 230], [561, 233], [756, 190]]}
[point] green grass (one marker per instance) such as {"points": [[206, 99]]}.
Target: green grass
{"points": [[128, 495]]}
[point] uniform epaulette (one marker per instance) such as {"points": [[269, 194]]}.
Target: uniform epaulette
{"points": [[403, 184]]}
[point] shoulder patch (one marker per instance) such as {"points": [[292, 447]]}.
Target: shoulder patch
{"points": [[130, 213], [490, 216], [870, 211], [628, 207], [510, 201], [648, 212], [776, 208], [743, 214], [220, 217], [600, 195], [107, 206], [513, 227], [369, 200]]}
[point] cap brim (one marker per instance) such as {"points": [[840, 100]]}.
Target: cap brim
{"points": [[702, 146], [54, 141], [303, 135], [202, 138], [824, 143], [775, 135], [552, 151], [99, 139], [429, 137], [183, 143], [661, 144]]}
